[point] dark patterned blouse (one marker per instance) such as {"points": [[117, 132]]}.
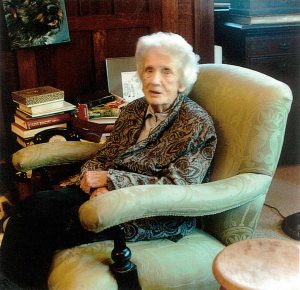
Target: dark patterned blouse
{"points": [[178, 151]]}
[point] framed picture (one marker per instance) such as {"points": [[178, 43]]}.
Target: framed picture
{"points": [[122, 78], [36, 22]]}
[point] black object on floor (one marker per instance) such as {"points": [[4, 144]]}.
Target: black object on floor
{"points": [[291, 226]]}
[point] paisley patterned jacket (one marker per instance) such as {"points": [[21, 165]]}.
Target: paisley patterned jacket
{"points": [[178, 151]]}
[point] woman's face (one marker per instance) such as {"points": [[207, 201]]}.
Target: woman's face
{"points": [[160, 79]]}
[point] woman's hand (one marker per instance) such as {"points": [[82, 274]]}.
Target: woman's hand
{"points": [[99, 191], [93, 180]]}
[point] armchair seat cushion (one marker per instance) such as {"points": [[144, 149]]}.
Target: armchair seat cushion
{"points": [[188, 260]]}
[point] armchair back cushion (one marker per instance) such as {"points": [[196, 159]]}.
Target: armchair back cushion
{"points": [[232, 95]]}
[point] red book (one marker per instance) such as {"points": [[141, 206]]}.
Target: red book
{"points": [[83, 112], [26, 134], [105, 113], [28, 122], [91, 131]]}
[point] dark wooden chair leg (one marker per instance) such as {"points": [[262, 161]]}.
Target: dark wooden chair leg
{"points": [[23, 186], [124, 271], [45, 178]]}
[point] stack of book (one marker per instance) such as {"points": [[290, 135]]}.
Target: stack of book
{"points": [[39, 109], [95, 119], [104, 110]]}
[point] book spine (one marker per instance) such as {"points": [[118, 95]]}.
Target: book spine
{"points": [[43, 122], [82, 112], [24, 142], [40, 108], [25, 134], [103, 112]]}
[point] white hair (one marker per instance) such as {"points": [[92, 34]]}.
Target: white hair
{"points": [[178, 48]]}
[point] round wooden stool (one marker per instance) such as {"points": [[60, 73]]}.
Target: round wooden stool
{"points": [[259, 264]]}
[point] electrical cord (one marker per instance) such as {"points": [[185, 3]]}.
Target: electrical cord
{"points": [[276, 209]]}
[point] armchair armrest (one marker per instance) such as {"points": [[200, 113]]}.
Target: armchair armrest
{"points": [[136, 202], [55, 153]]}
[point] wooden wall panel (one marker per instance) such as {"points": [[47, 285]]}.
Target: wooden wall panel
{"points": [[131, 6], [204, 27], [27, 68], [117, 44], [76, 68], [170, 16], [70, 66], [95, 7], [99, 40], [186, 20], [72, 7]]}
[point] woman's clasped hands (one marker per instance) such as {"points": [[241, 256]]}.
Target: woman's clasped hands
{"points": [[94, 183]]}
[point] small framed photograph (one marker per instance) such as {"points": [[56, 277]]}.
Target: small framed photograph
{"points": [[122, 78], [36, 22]]}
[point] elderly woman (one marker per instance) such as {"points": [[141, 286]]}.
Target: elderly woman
{"points": [[163, 138]]}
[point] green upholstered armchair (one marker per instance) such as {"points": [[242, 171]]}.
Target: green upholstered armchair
{"points": [[250, 112]]}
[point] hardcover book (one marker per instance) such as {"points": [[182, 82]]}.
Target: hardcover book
{"points": [[28, 122], [90, 126], [47, 109], [99, 112], [24, 142], [26, 134], [36, 96], [83, 114], [91, 131], [104, 113]]}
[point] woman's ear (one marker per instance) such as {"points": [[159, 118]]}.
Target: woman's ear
{"points": [[181, 88]]}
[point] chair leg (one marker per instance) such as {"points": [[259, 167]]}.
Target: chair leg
{"points": [[124, 271], [45, 178]]}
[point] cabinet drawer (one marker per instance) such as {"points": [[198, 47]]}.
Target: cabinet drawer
{"points": [[286, 68], [272, 44]]}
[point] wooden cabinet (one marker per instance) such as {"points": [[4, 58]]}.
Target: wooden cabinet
{"points": [[98, 30], [274, 50]]}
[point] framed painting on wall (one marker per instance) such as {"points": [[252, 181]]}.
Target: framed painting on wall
{"points": [[36, 22]]}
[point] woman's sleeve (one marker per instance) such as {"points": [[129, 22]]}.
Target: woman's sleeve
{"points": [[106, 154], [190, 168]]}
